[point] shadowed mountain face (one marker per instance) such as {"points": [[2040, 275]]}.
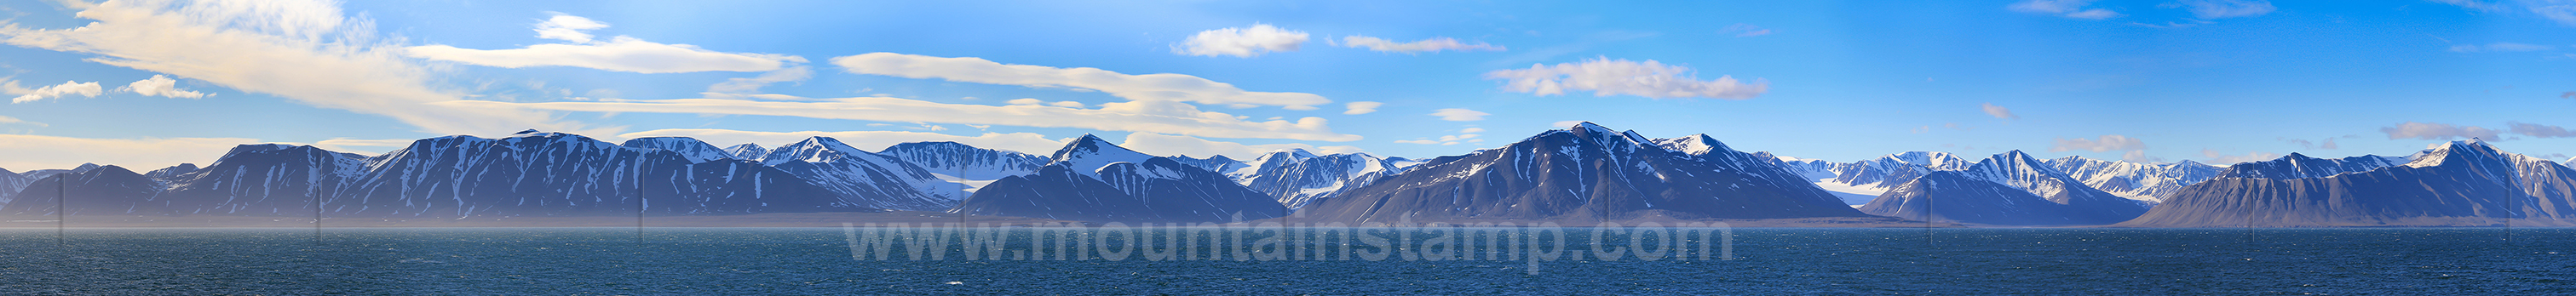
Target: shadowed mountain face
{"points": [[1093, 180], [1586, 173], [2464, 183], [862, 178], [104, 190], [528, 174], [10, 183]]}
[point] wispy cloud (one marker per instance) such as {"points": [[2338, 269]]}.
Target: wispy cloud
{"points": [[1136, 116], [2218, 9], [1606, 77], [15, 120], [1154, 87], [620, 53], [2438, 131], [1356, 108], [1997, 111], [1744, 30], [2064, 8], [2500, 46], [2538, 130], [1459, 114], [1241, 42], [753, 84], [1435, 44], [2212, 156], [305, 51], [873, 140], [2105, 144], [140, 154], [1161, 144]]}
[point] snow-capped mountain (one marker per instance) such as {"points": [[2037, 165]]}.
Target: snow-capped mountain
{"points": [[264, 179], [1954, 196], [2139, 181], [44, 173], [965, 165], [1219, 163], [169, 174], [2020, 170], [1092, 180], [1295, 177], [1580, 174], [543, 173], [690, 148], [746, 151], [2461, 183], [10, 183], [865, 178], [2297, 166], [92, 190]]}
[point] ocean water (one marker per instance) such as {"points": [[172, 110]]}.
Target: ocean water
{"points": [[737, 261]]}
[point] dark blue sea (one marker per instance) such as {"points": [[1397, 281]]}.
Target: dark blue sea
{"points": [[771, 261]]}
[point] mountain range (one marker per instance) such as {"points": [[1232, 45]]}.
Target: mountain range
{"points": [[1585, 173]]}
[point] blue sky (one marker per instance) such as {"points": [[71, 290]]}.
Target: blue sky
{"points": [[2212, 81]]}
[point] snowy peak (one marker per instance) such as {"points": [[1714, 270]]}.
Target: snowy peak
{"points": [[812, 149], [690, 148], [1218, 163], [1696, 144], [2463, 150], [967, 161], [746, 151], [1088, 154], [2300, 166]]}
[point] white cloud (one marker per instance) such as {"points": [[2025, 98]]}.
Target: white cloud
{"points": [[1361, 107], [142, 154], [353, 145], [2065, 8], [2105, 144], [2438, 131], [1240, 42], [620, 53], [753, 84], [1169, 145], [1066, 104], [68, 88], [568, 28], [15, 120], [304, 51], [1459, 114], [1155, 87], [1031, 143], [161, 86], [1471, 130], [1745, 30], [2217, 158], [1026, 101], [1136, 116], [1607, 77], [1997, 111], [1435, 44], [2218, 9]]}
